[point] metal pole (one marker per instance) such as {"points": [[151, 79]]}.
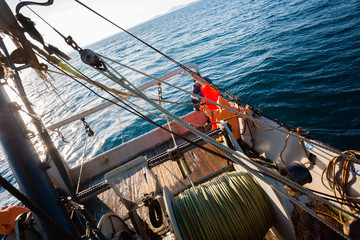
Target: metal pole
{"points": [[34, 183], [51, 150], [44, 135]]}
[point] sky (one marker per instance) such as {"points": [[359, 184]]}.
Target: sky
{"points": [[70, 18]]}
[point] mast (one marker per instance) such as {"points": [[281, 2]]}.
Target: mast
{"points": [[44, 135], [25, 164]]}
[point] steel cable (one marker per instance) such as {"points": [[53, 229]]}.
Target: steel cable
{"points": [[231, 206]]}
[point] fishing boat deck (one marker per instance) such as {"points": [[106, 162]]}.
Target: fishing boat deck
{"points": [[138, 182]]}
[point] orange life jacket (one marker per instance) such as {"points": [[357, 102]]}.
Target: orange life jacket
{"points": [[212, 94], [221, 113]]}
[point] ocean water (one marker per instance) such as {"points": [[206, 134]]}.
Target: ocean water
{"points": [[298, 61]]}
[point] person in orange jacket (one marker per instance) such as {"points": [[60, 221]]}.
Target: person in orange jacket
{"points": [[221, 113], [216, 113]]}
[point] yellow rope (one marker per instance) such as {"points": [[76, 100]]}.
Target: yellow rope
{"points": [[261, 128], [330, 216], [286, 141], [340, 188], [232, 206]]}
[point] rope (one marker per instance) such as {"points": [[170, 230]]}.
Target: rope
{"points": [[330, 216], [211, 123], [340, 189], [235, 157], [282, 151], [158, 51], [261, 128], [238, 157], [129, 109], [167, 120], [80, 173], [232, 206], [314, 143], [229, 154], [121, 93], [56, 91], [82, 164]]}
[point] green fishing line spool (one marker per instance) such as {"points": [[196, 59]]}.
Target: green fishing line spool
{"points": [[231, 206]]}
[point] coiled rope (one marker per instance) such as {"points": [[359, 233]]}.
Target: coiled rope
{"points": [[337, 174], [232, 206]]}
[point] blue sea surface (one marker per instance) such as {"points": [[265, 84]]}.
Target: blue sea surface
{"points": [[298, 61]]}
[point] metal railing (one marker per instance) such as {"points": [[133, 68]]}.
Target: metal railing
{"points": [[107, 104]]}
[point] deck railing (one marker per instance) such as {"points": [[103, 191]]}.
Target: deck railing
{"points": [[107, 104]]}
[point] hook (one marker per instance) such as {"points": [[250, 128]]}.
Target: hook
{"points": [[22, 4]]}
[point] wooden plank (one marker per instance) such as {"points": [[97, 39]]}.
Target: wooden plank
{"points": [[118, 155], [134, 184]]}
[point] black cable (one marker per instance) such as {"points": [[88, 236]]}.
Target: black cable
{"points": [[70, 42], [158, 51], [34, 208], [335, 199], [137, 113], [328, 197], [22, 4], [58, 32], [155, 49], [133, 111]]}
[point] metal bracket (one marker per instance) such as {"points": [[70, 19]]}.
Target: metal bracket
{"points": [[229, 138], [174, 155]]}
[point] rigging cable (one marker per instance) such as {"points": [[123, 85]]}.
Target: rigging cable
{"points": [[76, 47], [235, 157], [132, 35], [158, 51], [230, 153], [219, 155], [356, 159], [134, 111], [58, 32], [240, 113]]}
